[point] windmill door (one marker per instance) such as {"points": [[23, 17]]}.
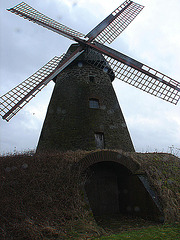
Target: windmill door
{"points": [[99, 140], [102, 192]]}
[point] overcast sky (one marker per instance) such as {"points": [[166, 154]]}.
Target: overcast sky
{"points": [[153, 38]]}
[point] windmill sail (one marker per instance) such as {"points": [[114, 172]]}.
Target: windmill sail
{"points": [[27, 12], [137, 74], [112, 26], [18, 97], [15, 99]]}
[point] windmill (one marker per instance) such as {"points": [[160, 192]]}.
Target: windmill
{"points": [[90, 51]]}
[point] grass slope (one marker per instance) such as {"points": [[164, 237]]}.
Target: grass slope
{"points": [[166, 232]]}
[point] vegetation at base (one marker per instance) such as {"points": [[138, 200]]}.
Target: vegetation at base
{"points": [[42, 197], [166, 232]]}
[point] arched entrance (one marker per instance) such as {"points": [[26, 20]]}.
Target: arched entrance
{"points": [[113, 187]]}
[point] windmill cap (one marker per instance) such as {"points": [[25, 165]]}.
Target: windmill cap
{"points": [[92, 57]]}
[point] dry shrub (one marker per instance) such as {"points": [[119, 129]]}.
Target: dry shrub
{"points": [[23, 230], [41, 197]]}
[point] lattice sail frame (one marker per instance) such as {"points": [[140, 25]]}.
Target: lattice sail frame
{"points": [[19, 96], [146, 78], [116, 22], [27, 12]]}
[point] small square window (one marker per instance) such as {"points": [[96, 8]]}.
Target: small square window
{"points": [[94, 103]]}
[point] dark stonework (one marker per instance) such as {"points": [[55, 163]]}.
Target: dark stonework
{"points": [[71, 124]]}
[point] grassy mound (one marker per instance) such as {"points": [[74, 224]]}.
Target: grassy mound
{"points": [[41, 198]]}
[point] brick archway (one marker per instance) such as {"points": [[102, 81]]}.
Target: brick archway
{"points": [[109, 156], [113, 185]]}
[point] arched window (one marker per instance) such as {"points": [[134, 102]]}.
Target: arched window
{"points": [[94, 103]]}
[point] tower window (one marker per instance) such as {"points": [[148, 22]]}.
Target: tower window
{"points": [[91, 78], [94, 103], [99, 140]]}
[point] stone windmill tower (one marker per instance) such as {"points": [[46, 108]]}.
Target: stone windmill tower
{"points": [[84, 112]]}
